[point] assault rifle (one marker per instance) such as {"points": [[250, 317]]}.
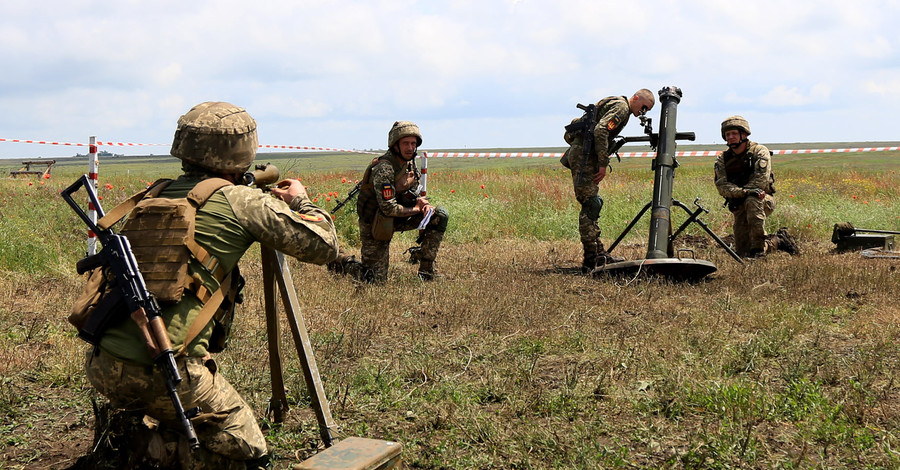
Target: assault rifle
{"points": [[353, 192], [585, 125], [128, 286]]}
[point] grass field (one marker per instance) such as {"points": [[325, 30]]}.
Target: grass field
{"points": [[515, 361]]}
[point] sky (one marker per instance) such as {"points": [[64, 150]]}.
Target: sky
{"points": [[471, 73]]}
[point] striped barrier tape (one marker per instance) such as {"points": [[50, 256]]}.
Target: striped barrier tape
{"points": [[689, 153], [130, 144]]}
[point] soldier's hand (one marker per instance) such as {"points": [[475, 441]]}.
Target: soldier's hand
{"points": [[422, 204], [288, 189], [759, 193], [598, 177]]}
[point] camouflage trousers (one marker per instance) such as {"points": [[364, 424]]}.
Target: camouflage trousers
{"points": [[226, 427], [750, 224], [375, 254], [586, 193]]}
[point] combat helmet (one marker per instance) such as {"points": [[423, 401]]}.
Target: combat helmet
{"points": [[402, 129], [735, 122], [217, 136]]}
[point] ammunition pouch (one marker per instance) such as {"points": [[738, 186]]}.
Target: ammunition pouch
{"points": [[564, 160], [224, 316], [734, 203], [93, 311], [382, 227]]}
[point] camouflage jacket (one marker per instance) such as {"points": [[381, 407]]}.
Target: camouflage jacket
{"points": [[384, 188], [232, 219], [612, 116], [751, 170]]}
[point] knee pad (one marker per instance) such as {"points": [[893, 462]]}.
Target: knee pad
{"points": [[591, 207], [442, 218]]}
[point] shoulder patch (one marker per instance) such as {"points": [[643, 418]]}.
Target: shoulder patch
{"points": [[612, 123], [310, 218], [387, 191]]}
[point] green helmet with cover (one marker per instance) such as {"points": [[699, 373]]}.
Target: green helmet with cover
{"points": [[217, 136], [735, 122], [402, 129]]}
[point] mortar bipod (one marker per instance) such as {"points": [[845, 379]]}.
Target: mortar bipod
{"points": [[693, 217]]}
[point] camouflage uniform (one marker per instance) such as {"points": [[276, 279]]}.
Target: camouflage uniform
{"points": [[383, 192], [612, 116], [735, 174], [232, 219]]}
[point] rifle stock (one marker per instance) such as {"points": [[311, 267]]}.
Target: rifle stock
{"points": [[130, 288], [586, 126]]}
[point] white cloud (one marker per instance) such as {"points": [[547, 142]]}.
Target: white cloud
{"points": [[312, 69]]}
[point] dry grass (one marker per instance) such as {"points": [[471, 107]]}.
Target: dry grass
{"points": [[515, 361]]}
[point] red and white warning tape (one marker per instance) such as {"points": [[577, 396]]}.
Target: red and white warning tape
{"points": [[699, 153], [324, 149], [130, 144], [691, 153]]}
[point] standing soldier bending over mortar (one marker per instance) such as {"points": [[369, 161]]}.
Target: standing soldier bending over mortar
{"points": [[389, 202], [216, 142], [589, 138]]}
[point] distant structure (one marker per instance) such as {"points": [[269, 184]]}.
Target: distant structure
{"points": [[102, 153], [27, 171]]}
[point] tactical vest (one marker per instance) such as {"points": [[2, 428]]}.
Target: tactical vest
{"points": [[738, 169], [367, 204], [161, 234]]}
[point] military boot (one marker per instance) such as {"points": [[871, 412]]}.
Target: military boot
{"points": [[589, 261], [603, 257], [786, 243], [344, 264], [427, 271]]}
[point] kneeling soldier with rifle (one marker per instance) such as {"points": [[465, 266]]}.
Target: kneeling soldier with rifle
{"points": [[389, 202], [186, 236]]}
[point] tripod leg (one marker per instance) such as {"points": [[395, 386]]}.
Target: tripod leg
{"points": [[278, 405], [628, 228], [694, 218], [327, 426]]}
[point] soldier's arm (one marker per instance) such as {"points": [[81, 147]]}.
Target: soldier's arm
{"points": [[605, 124], [386, 192], [301, 229], [762, 168]]}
